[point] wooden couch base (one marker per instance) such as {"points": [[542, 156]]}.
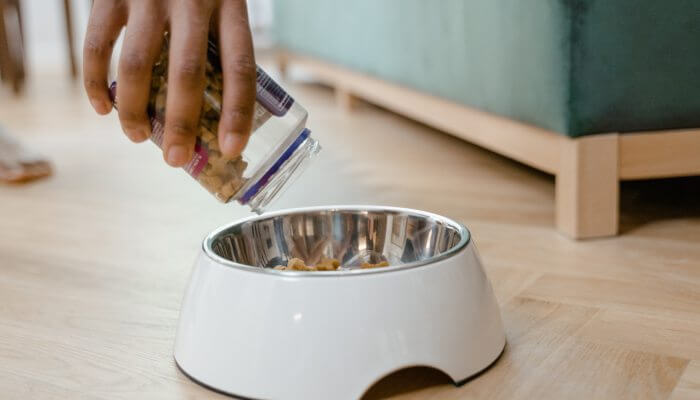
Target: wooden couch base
{"points": [[587, 170]]}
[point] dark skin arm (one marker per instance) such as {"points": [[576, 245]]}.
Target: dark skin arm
{"points": [[189, 22]]}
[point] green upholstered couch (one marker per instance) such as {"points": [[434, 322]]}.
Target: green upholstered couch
{"points": [[571, 67], [575, 67]]}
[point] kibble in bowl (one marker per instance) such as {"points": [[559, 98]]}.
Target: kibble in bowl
{"points": [[326, 264]]}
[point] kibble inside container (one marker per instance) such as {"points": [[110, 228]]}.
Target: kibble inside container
{"points": [[278, 150]]}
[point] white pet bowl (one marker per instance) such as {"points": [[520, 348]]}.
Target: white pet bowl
{"points": [[266, 334]]}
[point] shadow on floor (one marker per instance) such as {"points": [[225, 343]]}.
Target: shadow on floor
{"points": [[406, 381], [648, 201]]}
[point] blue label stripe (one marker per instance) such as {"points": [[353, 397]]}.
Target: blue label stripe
{"points": [[275, 167]]}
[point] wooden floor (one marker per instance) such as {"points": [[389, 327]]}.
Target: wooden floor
{"points": [[94, 262]]}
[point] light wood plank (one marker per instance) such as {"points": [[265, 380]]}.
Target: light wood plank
{"points": [[509, 282], [689, 386], [638, 375], [671, 335], [659, 154], [587, 187], [659, 295]]}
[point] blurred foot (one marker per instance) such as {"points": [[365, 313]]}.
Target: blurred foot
{"points": [[17, 164]]}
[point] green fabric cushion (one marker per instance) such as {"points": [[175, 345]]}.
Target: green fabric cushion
{"points": [[572, 66], [635, 65]]}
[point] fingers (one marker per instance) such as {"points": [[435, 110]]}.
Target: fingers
{"points": [[238, 65], [106, 20], [189, 33], [142, 44]]}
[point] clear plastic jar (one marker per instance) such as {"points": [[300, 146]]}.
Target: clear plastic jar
{"points": [[278, 150]]}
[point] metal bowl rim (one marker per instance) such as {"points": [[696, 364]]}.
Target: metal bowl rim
{"points": [[463, 231]]}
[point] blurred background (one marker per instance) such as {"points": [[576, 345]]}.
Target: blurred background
{"points": [[46, 38]]}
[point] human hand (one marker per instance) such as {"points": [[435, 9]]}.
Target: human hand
{"points": [[189, 23]]}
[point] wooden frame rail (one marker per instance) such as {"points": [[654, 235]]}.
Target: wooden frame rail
{"points": [[587, 170]]}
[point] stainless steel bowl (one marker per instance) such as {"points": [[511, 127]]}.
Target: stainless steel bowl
{"points": [[353, 235]]}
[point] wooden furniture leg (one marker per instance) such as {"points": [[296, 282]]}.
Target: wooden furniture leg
{"points": [[12, 44], [587, 187], [5, 60], [69, 38], [21, 59]]}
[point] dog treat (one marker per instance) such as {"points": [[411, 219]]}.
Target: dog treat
{"points": [[297, 264], [377, 265], [326, 264]]}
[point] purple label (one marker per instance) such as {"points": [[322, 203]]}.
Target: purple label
{"points": [[253, 190], [271, 95], [268, 93], [201, 151], [113, 92], [199, 160]]}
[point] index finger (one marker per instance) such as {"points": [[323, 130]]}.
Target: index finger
{"points": [[106, 21]]}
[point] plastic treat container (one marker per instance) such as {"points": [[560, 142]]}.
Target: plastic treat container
{"points": [[279, 148]]}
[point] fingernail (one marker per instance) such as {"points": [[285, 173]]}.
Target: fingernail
{"points": [[137, 135], [100, 106], [233, 144], [177, 155]]}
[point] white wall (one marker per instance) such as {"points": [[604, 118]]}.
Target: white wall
{"points": [[45, 30], [45, 43], [260, 13]]}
